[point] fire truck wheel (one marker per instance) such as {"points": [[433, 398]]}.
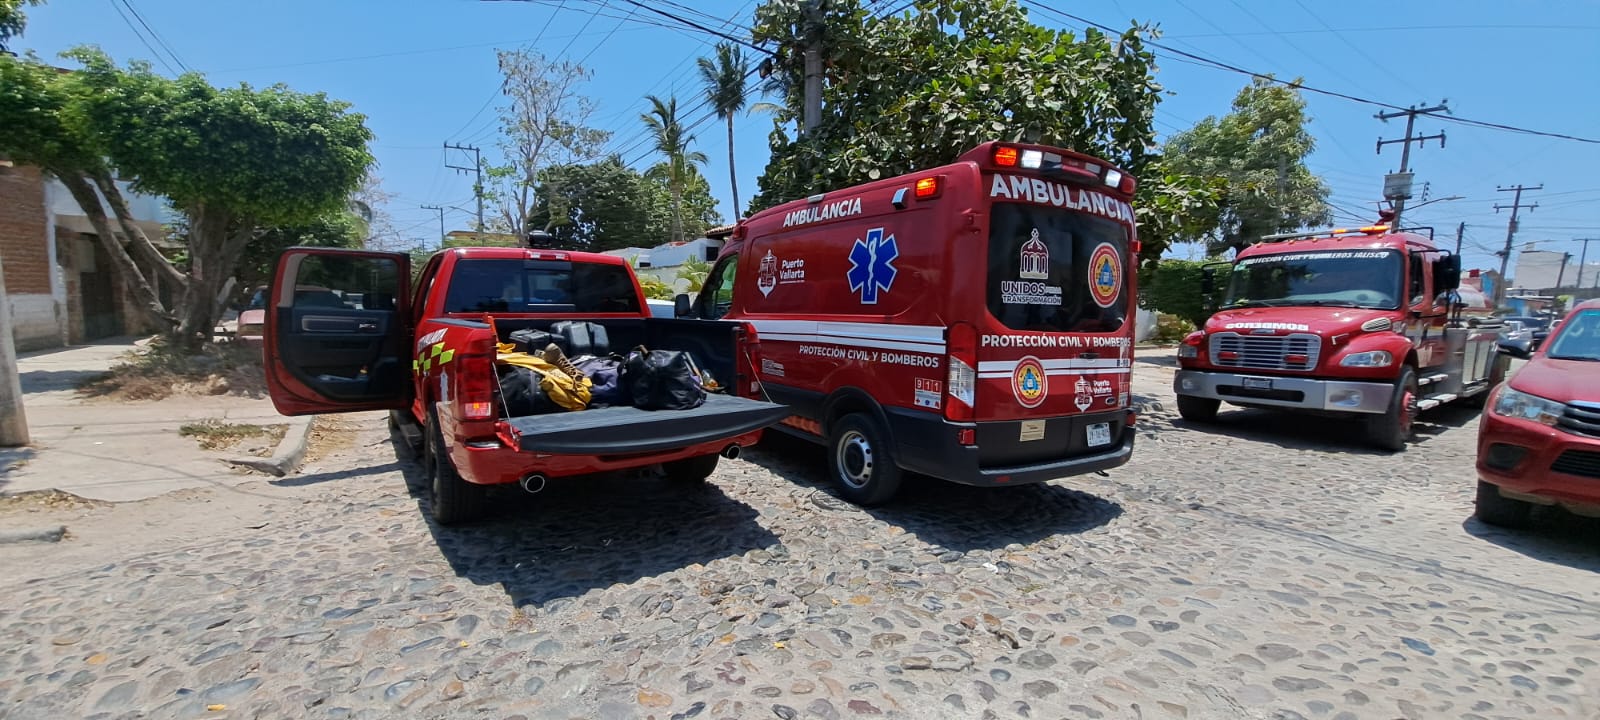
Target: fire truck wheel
{"points": [[690, 470], [1198, 409], [861, 461], [1502, 511], [452, 499], [1392, 430]]}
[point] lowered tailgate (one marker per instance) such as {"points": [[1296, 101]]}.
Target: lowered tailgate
{"points": [[628, 430]]}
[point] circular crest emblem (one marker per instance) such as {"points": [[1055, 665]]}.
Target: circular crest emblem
{"points": [[1105, 275], [1028, 382]]}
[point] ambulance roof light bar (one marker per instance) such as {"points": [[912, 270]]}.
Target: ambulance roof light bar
{"points": [[1336, 232]]}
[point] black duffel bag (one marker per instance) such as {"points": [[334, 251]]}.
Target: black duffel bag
{"points": [[521, 393], [662, 380]]}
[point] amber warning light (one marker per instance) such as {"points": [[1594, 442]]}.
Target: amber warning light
{"points": [[927, 187], [1005, 156]]}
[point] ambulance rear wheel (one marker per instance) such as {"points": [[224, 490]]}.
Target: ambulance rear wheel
{"points": [[861, 462], [1198, 409], [1391, 430]]}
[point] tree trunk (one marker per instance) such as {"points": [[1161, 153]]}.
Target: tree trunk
{"points": [[143, 292], [214, 250], [677, 205], [733, 173], [13, 421], [134, 236]]}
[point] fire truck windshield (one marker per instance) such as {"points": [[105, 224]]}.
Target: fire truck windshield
{"points": [[1339, 278]]}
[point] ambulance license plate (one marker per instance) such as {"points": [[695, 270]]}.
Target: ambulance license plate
{"points": [[1099, 434], [1257, 383]]}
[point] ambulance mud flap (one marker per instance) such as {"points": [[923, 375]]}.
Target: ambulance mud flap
{"points": [[629, 430]]}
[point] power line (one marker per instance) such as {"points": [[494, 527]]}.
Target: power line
{"points": [[159, 40], [1301, 86], [142, 40]]}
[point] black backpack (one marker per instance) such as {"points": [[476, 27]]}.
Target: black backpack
{"points": [[521, 393], [662, 380]]}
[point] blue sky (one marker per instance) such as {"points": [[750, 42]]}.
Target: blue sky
{"points": [[425, 73]]}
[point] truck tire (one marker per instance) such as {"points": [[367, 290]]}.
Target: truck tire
{"points": [[860, 459], [690, 470], [1198, 409], [451, 499], [1392, 429], [1500, 511]]}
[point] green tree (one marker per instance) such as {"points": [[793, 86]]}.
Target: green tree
{"points": [[334, 229], [233, 161], [606, 205], [724, 81], [672, 141], [1174, 289], [544, 125], [916, 90], [13, 20], [1258, 154]]}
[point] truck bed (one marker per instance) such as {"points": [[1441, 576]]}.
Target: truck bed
{"points": [[627, 430]]}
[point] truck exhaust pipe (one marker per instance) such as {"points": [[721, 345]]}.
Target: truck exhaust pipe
{"points": [[532, 483], [731, 452]]}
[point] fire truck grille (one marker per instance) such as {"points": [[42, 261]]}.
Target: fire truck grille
{"points": [[1578, 462], [1265, 352], [1581, 419]]}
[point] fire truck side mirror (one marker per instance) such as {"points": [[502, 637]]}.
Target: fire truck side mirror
{"points": [[1208, 280], [1447, 273]]}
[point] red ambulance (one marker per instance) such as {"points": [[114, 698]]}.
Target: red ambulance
{"points": [[972, 322]]}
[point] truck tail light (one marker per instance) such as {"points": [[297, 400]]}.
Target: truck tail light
{"points": [[475, 379], [962, 379]]}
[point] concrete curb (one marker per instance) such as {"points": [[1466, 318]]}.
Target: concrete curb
{"points": [[49, 534], [286, 458]]}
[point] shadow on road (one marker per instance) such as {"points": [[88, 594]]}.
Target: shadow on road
{"points": [[13, 458], [1555, 536], [589, 533], [1332, 435], [944, 514], [38, 381]]}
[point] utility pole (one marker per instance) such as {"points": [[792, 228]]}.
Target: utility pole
{"points": [[1397, 187], [1562, 273], [477, 185], [441, 220], [1461, 229], [1584, 257], [813, 58], [1511, 232], [13, 422]]}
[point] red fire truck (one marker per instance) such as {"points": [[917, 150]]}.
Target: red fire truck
{"points": [[972, 322], [1353, 322]]}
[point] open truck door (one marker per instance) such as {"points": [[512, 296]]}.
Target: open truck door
{"points": [[338, 331]]}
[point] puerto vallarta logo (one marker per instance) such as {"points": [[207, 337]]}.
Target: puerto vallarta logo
{"points": [[1105, 275], [872, 265], [767, 278], [1035, 261], [1028, 382]]}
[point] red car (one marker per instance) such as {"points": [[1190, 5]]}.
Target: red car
{"points": [[1539, 441]]}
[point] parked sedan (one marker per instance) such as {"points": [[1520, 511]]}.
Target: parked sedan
{"points": [[1539, 441], [1538, 327]]}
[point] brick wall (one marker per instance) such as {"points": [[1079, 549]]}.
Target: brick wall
{"points": [[35, 320]]}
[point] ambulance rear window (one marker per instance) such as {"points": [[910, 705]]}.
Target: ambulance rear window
{"points": [[1056, 270], [539, 286]]}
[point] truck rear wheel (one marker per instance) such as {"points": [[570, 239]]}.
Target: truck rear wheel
{"points": [[1198, 409], [451, 498], [1502, 511], [860, 460], [690, 470], [1392, 429]]}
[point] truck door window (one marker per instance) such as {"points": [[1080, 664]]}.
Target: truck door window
{"points": [[716, 295], [1418, 283]]}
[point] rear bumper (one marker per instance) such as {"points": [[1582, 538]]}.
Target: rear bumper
{"points": [[1286, 392], [490, 462], [930, 445], [1535, 463]]}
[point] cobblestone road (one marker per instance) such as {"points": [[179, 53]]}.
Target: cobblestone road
{"points": [[1267, 566]]}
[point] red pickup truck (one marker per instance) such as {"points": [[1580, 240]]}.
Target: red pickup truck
{"points": [[429, 356]]}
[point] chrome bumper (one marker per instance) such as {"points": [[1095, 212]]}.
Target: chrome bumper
{"points": [[1334, 395]]}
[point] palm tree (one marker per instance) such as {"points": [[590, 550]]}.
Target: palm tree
{"points": [[672, 142], [724, 81]]}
